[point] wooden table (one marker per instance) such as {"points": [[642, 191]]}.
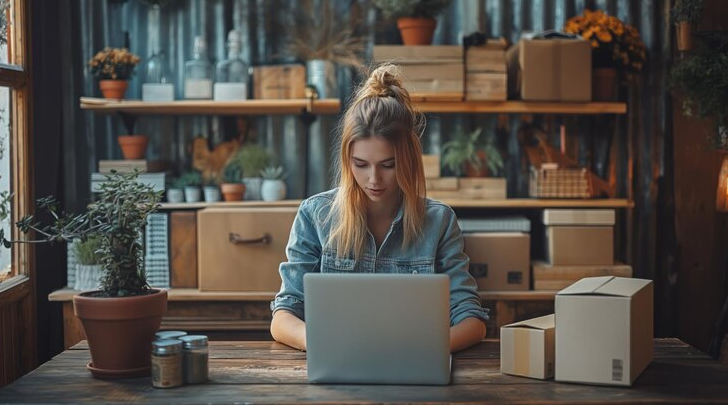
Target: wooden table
{"points": [[268, 372]]}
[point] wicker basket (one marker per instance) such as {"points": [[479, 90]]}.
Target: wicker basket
{"points": [[559, 183]]}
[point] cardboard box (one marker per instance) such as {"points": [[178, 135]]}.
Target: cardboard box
{"points": [[431, 165], [499, 260], [580, 245], [253, 267], [605, 330], [578, 217], [441, 184], [527, 348], [554, 278], [486, 86], [279, 82], [551, 69]]}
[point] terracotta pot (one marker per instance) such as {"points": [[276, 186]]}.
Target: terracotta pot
{"points": [[685, 32], [133, 146], [416, 31], [232, 191], [120, 332], [604, 84], [113, 88], [472, 171]]}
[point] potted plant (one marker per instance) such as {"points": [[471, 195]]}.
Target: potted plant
{"points": [[113, 67], [273, 188], [120, 318], [175, 191], [415, 18], [252, 158], [88, 264], [618, 52], [685, 15], [191, 182], [232, 187], [211, 190], [703, 81], [465, 153]]}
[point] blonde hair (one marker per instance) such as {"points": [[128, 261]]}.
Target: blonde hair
{"points": [[380, 107]]}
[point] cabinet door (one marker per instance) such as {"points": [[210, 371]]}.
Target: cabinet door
{"points": [[240, 249]]}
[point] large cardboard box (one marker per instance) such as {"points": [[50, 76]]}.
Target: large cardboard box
{"points": [[527, 348], [554, 278], [604, 329], [240, 249], [499, 260], [551, 69], [580, 245]]}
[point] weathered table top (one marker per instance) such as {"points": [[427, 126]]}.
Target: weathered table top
{"points": [[268, 372]]}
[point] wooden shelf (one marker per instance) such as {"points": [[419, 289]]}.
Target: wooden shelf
{"points": [[454, 203], [209, 107], [520, 107], [191, 294]]}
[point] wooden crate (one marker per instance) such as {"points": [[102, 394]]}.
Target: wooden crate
{"points": [[279, 82], [431, 164]]}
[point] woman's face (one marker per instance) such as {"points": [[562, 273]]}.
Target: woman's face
{"points": [[372, 162]]}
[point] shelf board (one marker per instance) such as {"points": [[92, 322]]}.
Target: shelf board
{"points": [[522, 107], [454, 203], [192, 294], [209, 107]]}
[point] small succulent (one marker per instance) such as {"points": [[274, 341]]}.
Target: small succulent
{"points": [[274, 173], [189, 179]]}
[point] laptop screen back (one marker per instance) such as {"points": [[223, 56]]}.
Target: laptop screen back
{"points": [[377, 328]]}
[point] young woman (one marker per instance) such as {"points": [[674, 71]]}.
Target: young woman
{"points": [[378, 220]]}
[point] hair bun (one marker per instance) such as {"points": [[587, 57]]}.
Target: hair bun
{"points": [[384, 81]]}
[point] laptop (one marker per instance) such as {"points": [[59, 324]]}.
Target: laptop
{"points": [[377, 328]]}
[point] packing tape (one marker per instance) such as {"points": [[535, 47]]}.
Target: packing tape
{"points": [[521, 351]]}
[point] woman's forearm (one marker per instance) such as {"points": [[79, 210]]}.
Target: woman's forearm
{"points": [[286, 328], [467, 333]]}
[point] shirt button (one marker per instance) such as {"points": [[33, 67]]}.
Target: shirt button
{"points": [[414, 271]]}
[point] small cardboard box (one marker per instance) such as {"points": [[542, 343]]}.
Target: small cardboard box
{"points": [[527, 348], [551, 69], [431, 165], [580, 216], [580, 245], [279, 82], [604, 330], [499, 260], [554, 278]]}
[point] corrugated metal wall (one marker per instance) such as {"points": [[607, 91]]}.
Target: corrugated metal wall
{"points": [[626, 150]]}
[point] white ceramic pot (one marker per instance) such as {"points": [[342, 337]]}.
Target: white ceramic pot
{"points": [[175, 195], [273, 190], [212, 193], [192, 194], [88, 277], [252, 187]]}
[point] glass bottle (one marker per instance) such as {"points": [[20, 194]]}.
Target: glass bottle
{"points": [[231, 77], [158, 82], [194, 359], [198, 73], [167, 363]]}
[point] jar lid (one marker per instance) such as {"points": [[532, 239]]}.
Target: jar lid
{"points": [[194, 341], [169, 334], [167, 346]]}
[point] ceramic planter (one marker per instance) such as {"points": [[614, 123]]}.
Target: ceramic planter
{"points": [[133, 146], [416, 31], [192, 194], [113, 89], [252, 187], [232, 191], [273, 190], [175, 195], [212, 193], [120, 331]]}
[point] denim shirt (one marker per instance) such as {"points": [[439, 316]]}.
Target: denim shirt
{"points": [[439, 250]]}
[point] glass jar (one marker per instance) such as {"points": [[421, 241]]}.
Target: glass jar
{"points": [[166, 363], [169, 334], [194, 359]]}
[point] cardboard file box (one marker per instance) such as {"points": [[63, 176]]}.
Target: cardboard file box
{"points": [[499, 260], [527, 348], [251, 265], [604, 329], [580, 245]]}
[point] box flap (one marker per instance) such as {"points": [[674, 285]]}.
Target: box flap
{"points": [[623, 287], [585, 286], [543, 322]]}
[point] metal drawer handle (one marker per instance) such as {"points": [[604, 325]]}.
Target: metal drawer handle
{"points": [[236, 239]]}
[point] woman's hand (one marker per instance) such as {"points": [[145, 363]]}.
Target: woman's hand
{"points": [[286, 328]]}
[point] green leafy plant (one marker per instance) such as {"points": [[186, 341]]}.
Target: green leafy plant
{"points": [[252, 158], [687, 10], [233, 172], [116, 218], [411, 8], [703, 80], [274, 173], [88, 252], [463, 149], [189, 179]]}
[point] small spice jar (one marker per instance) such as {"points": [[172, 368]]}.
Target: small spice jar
{"points": [[166, 363], [194, 359], [169, 334]]}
